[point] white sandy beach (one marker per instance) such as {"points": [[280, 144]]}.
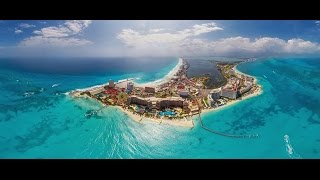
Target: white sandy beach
{"points": [[124, 81], [141, 119], [155, 83], [237, 71], [164, 79]]}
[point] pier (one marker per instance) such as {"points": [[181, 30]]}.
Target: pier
{"points": [[93, 112], [225, 134], [221, 133]]}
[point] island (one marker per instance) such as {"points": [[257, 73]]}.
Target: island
{"points": [[176, 98]]}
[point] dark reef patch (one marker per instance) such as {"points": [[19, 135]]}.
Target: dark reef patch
{"points": [[42, 131], [312, 121], [36, 136], [246, 122], [315, 151]]}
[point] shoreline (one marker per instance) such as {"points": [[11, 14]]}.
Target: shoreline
{"points": [[165, 79], [238, 100], [233, 102], [155, 83], [98, 86], [239, 72], [140, 119]]}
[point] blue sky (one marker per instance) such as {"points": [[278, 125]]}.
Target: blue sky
{"points": [[158, 38]]}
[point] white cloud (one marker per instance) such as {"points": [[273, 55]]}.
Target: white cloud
{"points": [[25, 25], [134, 38], [156, 30], [18, 31], [62, 35], [187, 43], [317, 23], [259, 46], [77, 26], [202, 28], [53, 31], [53, 41]]}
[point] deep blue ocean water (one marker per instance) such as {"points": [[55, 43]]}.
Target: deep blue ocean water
{"points": [[40, 121]]}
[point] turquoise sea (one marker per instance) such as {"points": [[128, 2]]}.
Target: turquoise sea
{"points": [[37, 120]]}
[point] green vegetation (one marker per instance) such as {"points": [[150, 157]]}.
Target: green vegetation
{"points": [[122, 97], [206, 100]]}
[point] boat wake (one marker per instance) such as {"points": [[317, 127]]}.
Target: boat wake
{"points": [[27, 94], [55, 85], [33, 92], [292, 154]]}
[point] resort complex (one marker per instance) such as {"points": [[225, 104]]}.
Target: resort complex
{"points": [[176, 99]]}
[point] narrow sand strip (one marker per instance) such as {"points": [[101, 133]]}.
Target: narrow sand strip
{"points": [[165, 79]]}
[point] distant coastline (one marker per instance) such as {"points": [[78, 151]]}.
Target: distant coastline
{"points": [[165, 79]]}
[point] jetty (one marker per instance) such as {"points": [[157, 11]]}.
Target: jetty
{"points": [[225, 134]]}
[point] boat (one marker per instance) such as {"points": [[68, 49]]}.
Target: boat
{"points": [[55, 85]]}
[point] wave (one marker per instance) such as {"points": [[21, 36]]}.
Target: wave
{"points": [[122, 80]]}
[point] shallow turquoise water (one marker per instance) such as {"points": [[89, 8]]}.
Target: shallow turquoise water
{"points": [[51, 125]]}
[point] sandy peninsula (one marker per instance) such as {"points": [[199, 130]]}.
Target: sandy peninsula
{"points": [[177, 76]]}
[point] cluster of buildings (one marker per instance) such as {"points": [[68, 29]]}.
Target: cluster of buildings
{"points": [[101, 89], [237, 86], [179, 94], [170, 95], [159, 104], [180, 85]]}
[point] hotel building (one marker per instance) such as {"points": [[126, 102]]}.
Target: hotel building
{"points": [[149, 90], [159, 103], [111, 84], [229, 93], [129, 86]]}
